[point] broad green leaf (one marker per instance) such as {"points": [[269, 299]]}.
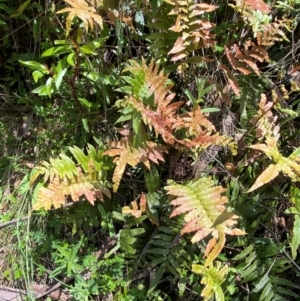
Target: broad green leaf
{"points": [[56, 51], [135, 232], [37, 75], [88, 49], [60, 72], [35, 66], [85, 102], [85, 124], [41, 90], [49, 89], [97, 42], [71, 59]]}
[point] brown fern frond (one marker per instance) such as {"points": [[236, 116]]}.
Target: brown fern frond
{"points": [[272, 33], [289, 166], [82, 10], [232, 81], [243, 61], [264, 120]]}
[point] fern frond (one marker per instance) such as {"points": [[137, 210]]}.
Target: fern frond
{"points": [[82, 10], [180, 31], [205, 213], [63, 178], [263, 271], [272, 33], [59, 188], [287, 165], [250, 5], [195, 32], [244, 61], [264, 120], [212, 278], [135, 211], [125, 153]]}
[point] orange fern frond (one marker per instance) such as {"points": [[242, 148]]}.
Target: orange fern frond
{"points": [[270, 173], [251, 5], [63, 178], [205, 213], [231, 79], [195, 122], [272, 33], [82, 10], [125, 153], [195, 32], [59, 188]]}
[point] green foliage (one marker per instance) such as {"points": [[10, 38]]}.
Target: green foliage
{"points": [[204, 96]]}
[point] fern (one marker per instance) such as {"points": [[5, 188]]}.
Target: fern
{"points": [[273, 33], [166, 252], [62, 178], [205, 213], [135, 211], [180, 32], [212, 278], [261, 268], [243, 61], [125, 153], [289, 166], [151, 100], [195, 33], [250, 5], [84, 11]]}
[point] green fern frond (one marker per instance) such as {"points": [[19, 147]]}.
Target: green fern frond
{"points": [[262, 270], [212, 279]]}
